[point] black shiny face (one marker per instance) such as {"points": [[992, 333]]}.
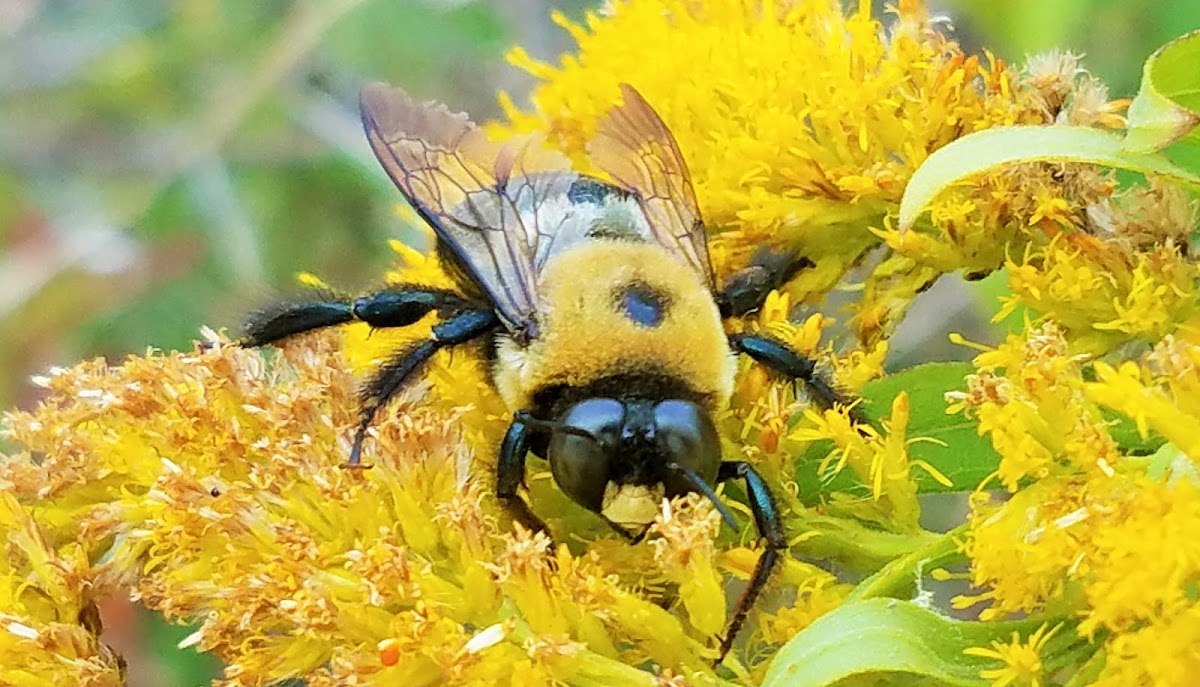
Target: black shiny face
{"points": [[632, 442]]}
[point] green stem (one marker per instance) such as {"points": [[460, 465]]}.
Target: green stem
{"points": [[852, 544], [898, 577], [1091, 670]]}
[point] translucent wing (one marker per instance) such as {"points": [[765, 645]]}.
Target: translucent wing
{"points": [[635, 148], [482, 198]]}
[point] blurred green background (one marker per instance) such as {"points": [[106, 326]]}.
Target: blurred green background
{"points": [[165, 165]]}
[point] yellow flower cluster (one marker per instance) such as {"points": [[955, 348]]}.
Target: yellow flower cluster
{"points": [[209, 482], [1022, 659], [1110, 537], [1029, 396], [49, 624], [206, 483], [801, 126], [1129, 279]]}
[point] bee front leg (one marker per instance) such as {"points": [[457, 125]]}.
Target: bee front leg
{"points": [[510, 473], [770, 528]]}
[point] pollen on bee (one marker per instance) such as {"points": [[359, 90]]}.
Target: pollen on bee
{"points": [[631, 505]]}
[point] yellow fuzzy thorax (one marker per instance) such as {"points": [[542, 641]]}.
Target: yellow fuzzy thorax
{"points": [[585, 337]]}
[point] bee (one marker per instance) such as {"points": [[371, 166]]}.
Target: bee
{"points": [[597, 305]]}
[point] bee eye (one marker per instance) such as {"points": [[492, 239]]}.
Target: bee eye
{"points": [[581, 464], [687, 438]]}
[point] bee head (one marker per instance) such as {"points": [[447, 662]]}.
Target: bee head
{"points": [[620, 457]]}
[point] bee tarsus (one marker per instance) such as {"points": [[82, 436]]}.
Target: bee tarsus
{"points": [[770, 528], [398, 305], [781, 358], [283, 320]]}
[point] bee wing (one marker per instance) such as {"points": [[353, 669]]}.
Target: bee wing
{"points": [[472, 191], [635, 148]]}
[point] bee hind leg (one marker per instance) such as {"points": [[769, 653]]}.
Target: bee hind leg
{"points": [[288, 319], [770, 528], [392, 376], [396, 306]]}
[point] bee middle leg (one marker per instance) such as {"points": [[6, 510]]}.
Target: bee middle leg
{"points": [[768, 270], [465, 326], [782, 359], [770, 528]]}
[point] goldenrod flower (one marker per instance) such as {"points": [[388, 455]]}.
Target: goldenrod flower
{"points": [[879, 460], [1163, 653], [1107, 536], [1163, 393], [49, 624], [1028, 395], [1021, 658], [801, 126], [208, 483]]}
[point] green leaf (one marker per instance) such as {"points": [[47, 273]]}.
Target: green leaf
{"points": [[879, 637], [992, 148], [1125, 432], [1167, 107], [951, 443]]}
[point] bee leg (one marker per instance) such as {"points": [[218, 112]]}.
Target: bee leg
{"points": [[396, 306], [779, 357], [401, 306], [748, 287], [391, 377], [510, 472], [284, 320], [782, 359], [770, 528]]}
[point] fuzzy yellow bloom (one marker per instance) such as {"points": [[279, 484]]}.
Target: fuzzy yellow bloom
{"points": [[49, 625], [1103, 293], [1110, 536], [879, 460], [1022, 660], [801, 125], [1163, 394], [1120, 550], [1163, 653], [208, 483], [1129, 278], [1029, 397]]}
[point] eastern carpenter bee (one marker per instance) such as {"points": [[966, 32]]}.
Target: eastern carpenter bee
{"points": [[597, 302]]}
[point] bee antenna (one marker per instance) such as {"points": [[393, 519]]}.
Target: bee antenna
{"points": [[701, 486], [528, 420]]}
